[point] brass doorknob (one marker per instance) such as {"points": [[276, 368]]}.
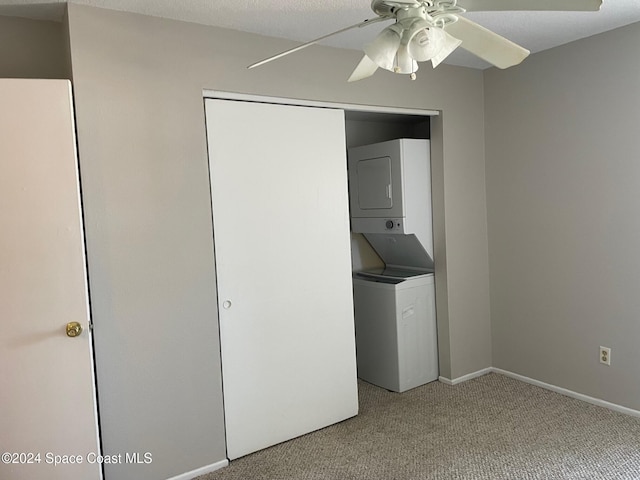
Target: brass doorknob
{"points": [[74, 329]]}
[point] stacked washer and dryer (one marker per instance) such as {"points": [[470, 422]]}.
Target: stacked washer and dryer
{"points": [[395, 316]]}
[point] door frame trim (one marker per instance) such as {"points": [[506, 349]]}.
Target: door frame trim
{"points": [[353, 107]]}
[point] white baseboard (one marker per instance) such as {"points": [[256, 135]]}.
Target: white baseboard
{"points": [[201, 471], [464, 378], [569, 393], [547, 386]]}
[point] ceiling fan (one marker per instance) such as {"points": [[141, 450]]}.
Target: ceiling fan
{"points": [[430, 30]]}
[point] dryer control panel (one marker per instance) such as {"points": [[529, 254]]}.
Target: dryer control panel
{"points": [[393, 224], [378, 225]]}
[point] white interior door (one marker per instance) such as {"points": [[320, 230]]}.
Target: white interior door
{"points": [[47, 399], [281, 227]]}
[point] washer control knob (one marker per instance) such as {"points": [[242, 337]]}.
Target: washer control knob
{"points": [[389, 224]]}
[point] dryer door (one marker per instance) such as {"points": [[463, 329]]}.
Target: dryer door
{"points": [[374, 183], [375, 180]]}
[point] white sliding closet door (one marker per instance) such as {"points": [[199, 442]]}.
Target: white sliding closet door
{"points": [[281, 228]]}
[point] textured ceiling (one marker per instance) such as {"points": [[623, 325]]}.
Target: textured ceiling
{"points": [[304, 20]]}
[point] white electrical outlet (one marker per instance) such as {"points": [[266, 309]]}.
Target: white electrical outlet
{"points": [[605, 355]]}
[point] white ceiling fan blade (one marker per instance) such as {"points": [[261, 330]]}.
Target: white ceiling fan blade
{"points": [[530, 5], [365, 68], [319, 39], [486, 44]]}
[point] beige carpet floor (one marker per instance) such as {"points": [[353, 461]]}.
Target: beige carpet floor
{"points": [[492, 427]]}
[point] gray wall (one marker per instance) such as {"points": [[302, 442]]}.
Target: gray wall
{"points": [[138, 84], [563, 176], [32, 49]]}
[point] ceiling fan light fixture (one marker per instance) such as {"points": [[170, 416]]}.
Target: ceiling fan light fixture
{"points": [[428, 42], [425, 42], [384, 47], [449, 44], [404, 62]]}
